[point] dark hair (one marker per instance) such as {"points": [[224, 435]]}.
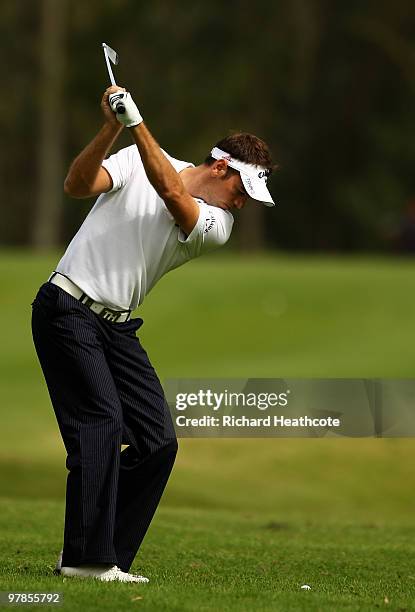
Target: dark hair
{"points": [[247, 148]]}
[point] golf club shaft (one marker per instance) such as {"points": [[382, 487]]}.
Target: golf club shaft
{"points": [[107, 60], [120, 106]]}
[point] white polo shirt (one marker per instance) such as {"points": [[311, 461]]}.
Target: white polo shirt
{"points": [[130, 239]]}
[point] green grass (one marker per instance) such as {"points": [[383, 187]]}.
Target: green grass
{"points": [[258, 316], [200, 560], [243, 522]]}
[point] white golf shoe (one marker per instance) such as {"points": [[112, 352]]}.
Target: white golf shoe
{"points": [[105, 574]]}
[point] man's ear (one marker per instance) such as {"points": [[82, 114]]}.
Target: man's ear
{"points": [[219, 168]]}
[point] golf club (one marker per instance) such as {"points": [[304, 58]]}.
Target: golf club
{"points": [[112, 55]]}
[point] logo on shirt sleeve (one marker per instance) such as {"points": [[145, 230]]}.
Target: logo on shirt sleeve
{"points": [[209, 223]]}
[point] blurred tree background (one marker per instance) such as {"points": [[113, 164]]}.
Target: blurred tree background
{"points": [[329, 84]]}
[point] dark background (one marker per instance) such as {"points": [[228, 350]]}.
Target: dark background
{"points": [[328, 84]]}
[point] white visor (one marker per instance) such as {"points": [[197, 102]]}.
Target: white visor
{"points": [[254, 178]]}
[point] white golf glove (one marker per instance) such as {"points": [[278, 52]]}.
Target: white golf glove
{"points": [[131, 116]]}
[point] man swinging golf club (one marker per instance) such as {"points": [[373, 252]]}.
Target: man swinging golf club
{"points": [[153, 214]]}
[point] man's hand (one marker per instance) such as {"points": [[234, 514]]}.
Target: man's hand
{"points": [[106, 108], [131, 116]]}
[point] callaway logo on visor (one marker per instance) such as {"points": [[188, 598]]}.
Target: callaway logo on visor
{"points": [[254, 178], [264, 174]]}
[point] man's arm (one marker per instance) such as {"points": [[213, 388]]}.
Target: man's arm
{"points": [[165, 180], [161, 174], [86, 176]]}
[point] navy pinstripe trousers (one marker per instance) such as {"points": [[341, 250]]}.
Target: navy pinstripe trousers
{"points": [[104, 393]]}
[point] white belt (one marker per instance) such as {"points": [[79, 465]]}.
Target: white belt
{"points": [[114, 316]]}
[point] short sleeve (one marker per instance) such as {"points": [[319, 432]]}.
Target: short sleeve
{"points": [[212, 230], [120, 166]]}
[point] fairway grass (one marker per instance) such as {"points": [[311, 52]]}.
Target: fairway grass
{"points": [[220, 561], [243, 523], [245, 316]]}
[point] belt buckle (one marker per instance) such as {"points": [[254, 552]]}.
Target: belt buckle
{"points": [[110, 315]]}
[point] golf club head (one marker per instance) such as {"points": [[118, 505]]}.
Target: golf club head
{"points": [[113, 55]]}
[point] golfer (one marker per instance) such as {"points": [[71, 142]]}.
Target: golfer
{"points": [[153, 214]]}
